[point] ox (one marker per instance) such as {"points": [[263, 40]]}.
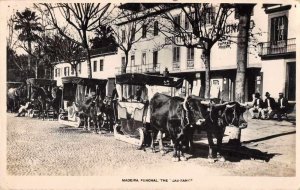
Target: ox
{"points": [[213, 121], [165, 112], [179, 117]]}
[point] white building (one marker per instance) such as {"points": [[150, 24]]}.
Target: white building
{"points": [[103, 62], [271, 64], [277, 50]]}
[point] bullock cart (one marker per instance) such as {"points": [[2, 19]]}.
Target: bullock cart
{"points": [[135, 91], [37, 83], [75, 91]]}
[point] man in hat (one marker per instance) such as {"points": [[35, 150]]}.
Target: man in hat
{"points": [[282, 106], [269, 107], [257, 106]]}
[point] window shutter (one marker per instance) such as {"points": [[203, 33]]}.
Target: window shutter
{"points": [[285, 30]]}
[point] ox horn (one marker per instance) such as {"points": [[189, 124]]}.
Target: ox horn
{"points": [[205, 102], [184, 103], [229, 106]]}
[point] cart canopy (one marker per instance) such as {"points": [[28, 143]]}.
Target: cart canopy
{"points": [[84, 81], [75, 89], [41, 82]]}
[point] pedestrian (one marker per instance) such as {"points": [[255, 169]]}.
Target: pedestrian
{"points": [[115, 97], [138, 93], [282, 106], [269, 107], [257, 107]]}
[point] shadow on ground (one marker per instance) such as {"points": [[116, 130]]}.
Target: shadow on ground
{"points": [[234, 154]]}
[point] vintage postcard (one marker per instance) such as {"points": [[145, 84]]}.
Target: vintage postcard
{"points": [[149, 95]]}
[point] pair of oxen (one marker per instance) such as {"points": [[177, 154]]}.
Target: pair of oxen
{"points": [[89, 111], [179, 118]]}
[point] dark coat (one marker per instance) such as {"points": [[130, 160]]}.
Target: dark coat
{"points": [[284, 103], [261, 103], [272, 103]]}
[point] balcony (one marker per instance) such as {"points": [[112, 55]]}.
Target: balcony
{"points": [[190, 64], [278, 49], [149, 68], [176, 66]]}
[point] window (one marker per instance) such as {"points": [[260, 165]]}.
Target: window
{"points": [[55, 72], [209, 15], [144, 58], [176, 54], [123, 36], [72, 70], [190, 53], [278, 29], [132, 60], [187, 23], [133, 34], [58, 72], [155, 33], [79, 68], [123, 61], [155, 53], [144, 31], [95, 66], [101, 64], [177, 23], [66, 71]]}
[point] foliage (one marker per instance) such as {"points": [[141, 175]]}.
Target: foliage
{"points": [[104, 37]]}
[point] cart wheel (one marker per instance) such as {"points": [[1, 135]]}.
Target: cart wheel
{"points": [[141, 136], [78, 121], [60, 117]]}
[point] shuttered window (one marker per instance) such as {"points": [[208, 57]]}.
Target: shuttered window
{"points": [[279, 27]]}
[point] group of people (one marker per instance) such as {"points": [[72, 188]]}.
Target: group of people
{"points": [[269, 108]]}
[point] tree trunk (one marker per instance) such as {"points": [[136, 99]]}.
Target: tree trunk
{"points": [[89, 64], [76, 72], [242, 48], [124, 65], [206, 59], [29, 55], [244, 11], [88, 55], [36, 69]]}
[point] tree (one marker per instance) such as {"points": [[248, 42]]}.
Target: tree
{"points": [[104, 38], [81, 18], [244, 15], [27, 23], [126, 32], [204, 26]]}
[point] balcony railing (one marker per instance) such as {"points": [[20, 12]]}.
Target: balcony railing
{"points": [[190, 64], [281, 47], [176, 66], [149, 68]]}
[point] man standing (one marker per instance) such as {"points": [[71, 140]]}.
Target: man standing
{"points": [[257, 106], [268, 111], [282, 106]]}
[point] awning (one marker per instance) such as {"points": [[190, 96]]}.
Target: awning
{"points": [[143, 79]]}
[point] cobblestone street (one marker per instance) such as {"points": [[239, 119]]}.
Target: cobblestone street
{"points": [[36, 147]]}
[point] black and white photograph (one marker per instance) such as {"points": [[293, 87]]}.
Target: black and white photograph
{"points": [[149, 95]]}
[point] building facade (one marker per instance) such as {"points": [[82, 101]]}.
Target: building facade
{"points": [[104, 61], [277, 50], [271, 55]]}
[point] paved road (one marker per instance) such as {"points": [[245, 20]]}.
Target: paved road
{"points": [[36, 147]]}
